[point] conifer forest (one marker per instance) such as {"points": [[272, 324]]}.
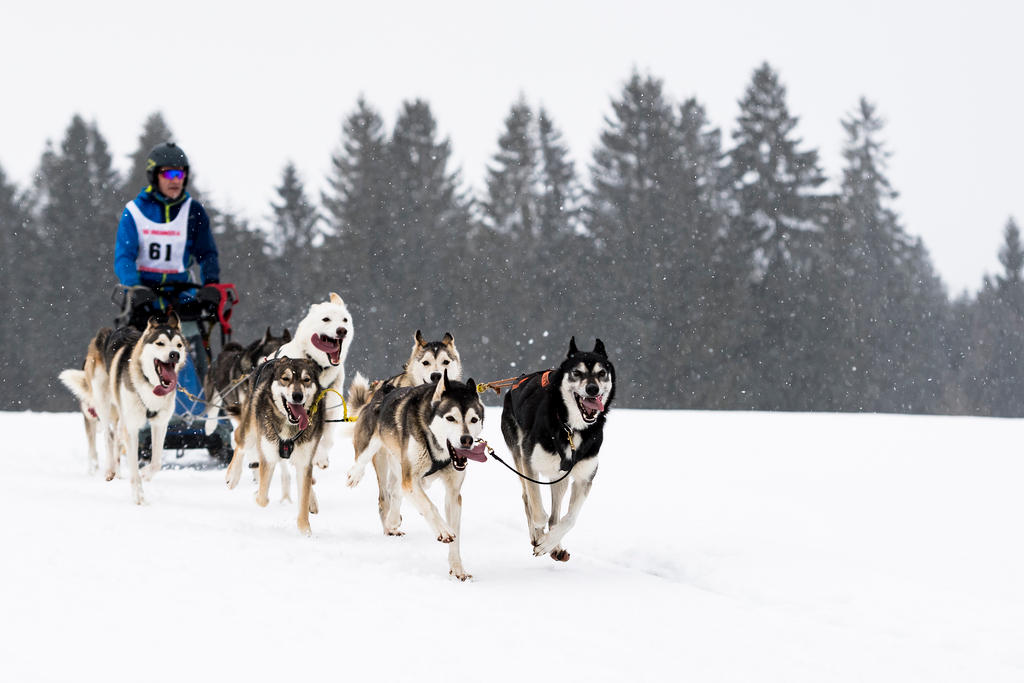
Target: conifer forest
{"points": [[706, 255]]}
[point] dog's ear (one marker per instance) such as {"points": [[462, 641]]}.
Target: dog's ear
{"points": [[442, 386], [470, 383], [420, 341], [448, 339], [599, 348], [335, 299], [152, 322], [266, 336], [287, 336], [572, 347], [173, 321]]}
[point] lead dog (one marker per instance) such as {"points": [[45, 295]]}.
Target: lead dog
{"points": [[278, 422], [421, 434], [553, 424]]}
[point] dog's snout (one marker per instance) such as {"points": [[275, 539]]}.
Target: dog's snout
{"points": [[466, 441], [296, 397], [342, 332], [593, 389], [173, 357], [434, 376]]}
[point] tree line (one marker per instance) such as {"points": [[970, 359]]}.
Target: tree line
{"points": [[718, 272]]}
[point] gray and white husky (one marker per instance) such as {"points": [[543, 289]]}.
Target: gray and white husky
{"points": [[134, 384], [427, 362], [553, 423], [415, 436]]}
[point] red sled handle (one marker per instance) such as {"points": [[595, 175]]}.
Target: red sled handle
{"points": [[225, 305]]}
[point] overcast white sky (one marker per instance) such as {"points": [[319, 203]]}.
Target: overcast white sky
{"points": [[246, 87]]}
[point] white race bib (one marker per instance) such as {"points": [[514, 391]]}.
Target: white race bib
{"points": [[161, 245]]}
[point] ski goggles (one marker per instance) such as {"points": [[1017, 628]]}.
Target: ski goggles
{"points": [[172, 174]]}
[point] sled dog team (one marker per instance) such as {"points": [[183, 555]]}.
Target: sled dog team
{"points": [[417, 427]]}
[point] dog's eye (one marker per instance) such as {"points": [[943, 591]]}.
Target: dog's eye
{"points": [[161, 343], [474, 420], [344, 320], [450, 418], [446, 362], [426, 363], [601, 374], [327, 320], [576, 374]]}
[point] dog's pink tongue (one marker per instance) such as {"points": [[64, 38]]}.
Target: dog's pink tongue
{"points": [[595, 403], [477, 452], [166, 373], [299, 411]]}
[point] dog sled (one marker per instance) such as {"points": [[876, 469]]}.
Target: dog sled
{"points": [[203, 310]]}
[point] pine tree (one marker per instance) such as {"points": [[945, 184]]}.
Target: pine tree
{"points": [[19, 254], [512, 204], [430, 224], [777, 226], [993, 370], [560, 208], [889, 305], [1009, 285], [358, 221], [356, 206], [296, 220], [79, 211], [635, 214]]}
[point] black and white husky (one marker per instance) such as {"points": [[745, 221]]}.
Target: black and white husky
{"points": [[553, 423]]}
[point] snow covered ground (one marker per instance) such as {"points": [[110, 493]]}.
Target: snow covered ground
{"points": [[714, 547]]}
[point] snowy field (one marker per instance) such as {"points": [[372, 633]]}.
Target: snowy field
{"points": [[740, 547]]}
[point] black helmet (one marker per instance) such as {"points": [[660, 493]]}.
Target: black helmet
{"points": [[163, 155]]}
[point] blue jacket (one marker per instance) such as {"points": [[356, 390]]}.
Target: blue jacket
{"points": [[199, 248]]}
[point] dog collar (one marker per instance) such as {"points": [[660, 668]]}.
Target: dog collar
{"points": [[285, 448]]}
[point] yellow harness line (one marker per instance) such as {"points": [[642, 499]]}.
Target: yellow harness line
{"points": [[344, 405]]}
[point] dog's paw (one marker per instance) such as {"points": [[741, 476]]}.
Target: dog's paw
{"points": [[354, 476], [560, 555], [321, 460], [394, 532], [147, 472], [109, 476], [460, 574], [445, 534], [543, 546], [305, 530], [262, 501], [314, 508]]}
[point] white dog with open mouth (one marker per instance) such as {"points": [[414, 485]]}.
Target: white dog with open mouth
{"points": [[324, 337]]}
